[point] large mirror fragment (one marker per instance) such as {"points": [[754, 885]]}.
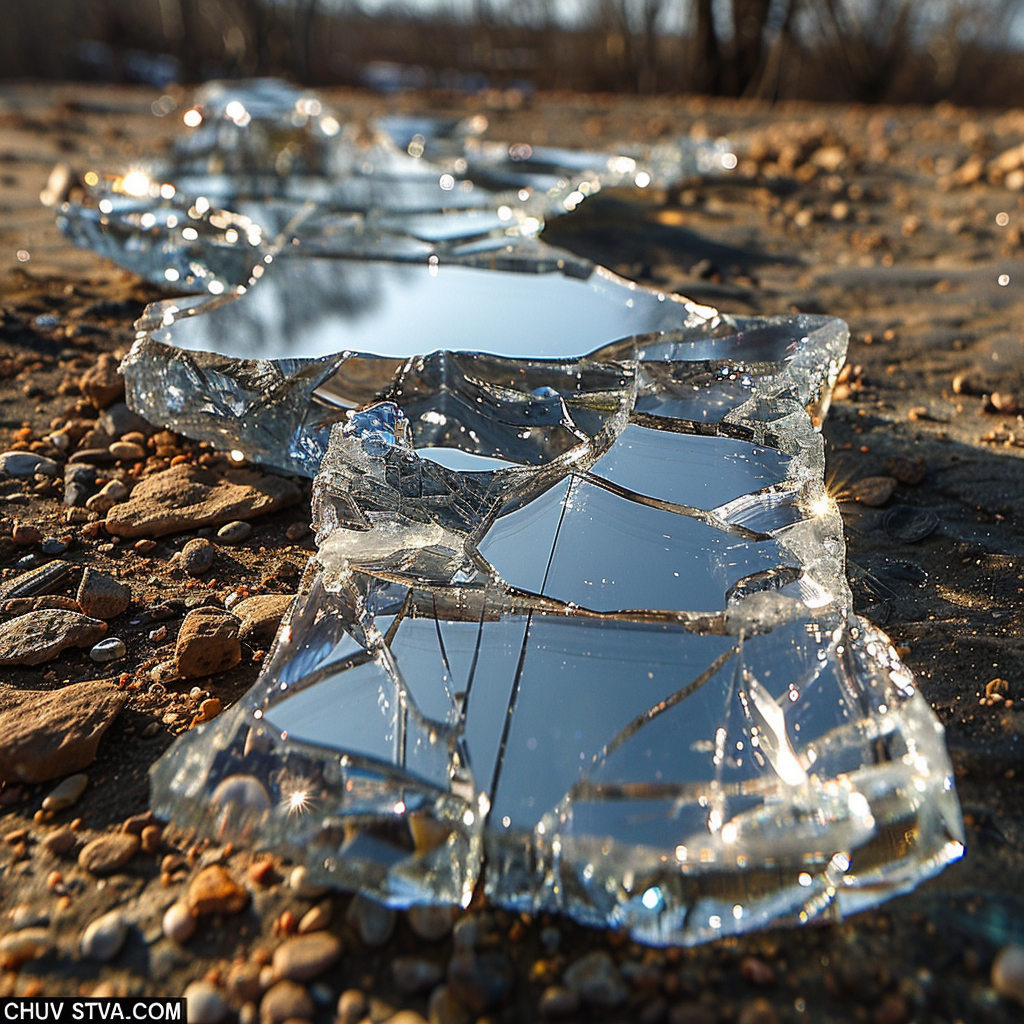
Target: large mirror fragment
{"points": [[577, 628]]}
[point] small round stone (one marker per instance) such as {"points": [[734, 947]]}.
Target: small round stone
{"points": [[127, 451], [431, 923], [25, 536], [234, 533], [204, 1004], [109, 649], [106, 854], [214, 891], [373, 920], [1008, 973], [197, 556], [67, 793], [103, 938], [286, 1001], [415, 974], [306, 956], [351, 1006], [596, 980], [53, 546], [179, 923]]}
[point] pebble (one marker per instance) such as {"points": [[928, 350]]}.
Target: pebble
{"points": [[101, 596], [306, 956], [204, 1004], [25, 536], [67, 794], [407, 1017], [103, 938], [558, 1001], [351, 1006], [910, 471], [260, 617], [47, 734], [41, 635], [316, 918], [214, 891], [187, 497], [415, 974], [110, 649], [234, 533], [873, 491], [59, 842], [179, 923], [207, 643], [374, 922], [112, 492], [119, 420], [908, 524], [1008, 973], [101, 383], [596, 980], [242, 792], [480, 981], [25, 464], [17, 948], [127, 451], [296, 531], [432, 922], [444, 1008], [53, 546], [298, 878], [197, 556], [105, 854], [286, 1001]]}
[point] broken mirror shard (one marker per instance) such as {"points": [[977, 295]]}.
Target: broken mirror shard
{"points": [[264, 168], [577, 629]]}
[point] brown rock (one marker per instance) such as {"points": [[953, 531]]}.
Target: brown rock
{"points": [[104, 855], [186, 497], [26, 536], [872, 490], [41, 635], [45, 735], [101, 383], [101, 596], [306, 956], [906, 470], [261, 615], [127, 451], [207, 643], [286, 1001], [214, 891]]}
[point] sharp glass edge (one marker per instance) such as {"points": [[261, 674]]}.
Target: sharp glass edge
{"points": [[804, 775]]}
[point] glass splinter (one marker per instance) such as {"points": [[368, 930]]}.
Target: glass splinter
{"points": [[577, 627]]}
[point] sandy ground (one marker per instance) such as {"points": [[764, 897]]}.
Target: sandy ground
{"points": [[902, 221]]}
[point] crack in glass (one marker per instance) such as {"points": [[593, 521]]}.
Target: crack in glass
{"points": [[577, 629]]}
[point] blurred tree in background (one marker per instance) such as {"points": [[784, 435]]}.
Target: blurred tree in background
{"points": [[854, 50]]}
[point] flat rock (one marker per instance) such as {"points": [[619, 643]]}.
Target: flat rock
{"points": [[187, 497], [105, 854], [260, 616], [214, 891], [41, 635], [101, 383], [27, 464], [101, 596], [67, 793], [207, 643], [47, 734]]}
